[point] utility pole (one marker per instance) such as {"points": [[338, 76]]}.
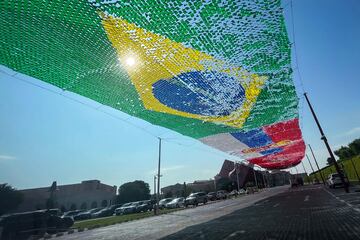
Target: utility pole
{"points": [[256, 183], [158, 180], [155, 209], [154, 185], [305, 172], [317, 165], [237, 175], [323, 137], [312, 169], [215, 183], [264, 184]]}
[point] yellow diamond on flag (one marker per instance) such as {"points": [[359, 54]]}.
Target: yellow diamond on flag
{"points": [[179, 80]]}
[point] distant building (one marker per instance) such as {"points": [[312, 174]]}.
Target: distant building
{"points": [[84, 195], [245, 173], [278, 178], [302, 176], [179, 190], [202, 186], [176, 190]]}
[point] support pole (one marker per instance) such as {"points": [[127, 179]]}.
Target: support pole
{"points": [[158, 180], [256, 183], [305, 172], [154, 185], [317, 165], [312, 169], [155, 209], [237, 175], [264, 183], [323, 137]]}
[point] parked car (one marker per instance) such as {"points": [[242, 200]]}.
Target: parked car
{"points": [[221, 194], [242, 191], [211, 196], [72, 213], [163, 202], [233, 193], [106, 212], [127, 208], [86, 215], [176, 203], [335, 180], [23, 225], [144, 206], [196, 198]]}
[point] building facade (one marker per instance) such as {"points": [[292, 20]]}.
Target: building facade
{"points": [[84, 195]]}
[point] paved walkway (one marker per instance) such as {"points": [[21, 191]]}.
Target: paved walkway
{"points": [[311, 212]]}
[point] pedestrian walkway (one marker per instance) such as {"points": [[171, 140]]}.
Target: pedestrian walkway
{"points": [[311, 213]]}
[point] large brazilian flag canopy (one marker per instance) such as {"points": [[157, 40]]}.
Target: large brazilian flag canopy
{"points": [[217, 70]]}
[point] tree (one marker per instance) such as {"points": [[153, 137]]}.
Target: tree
{"points": [[133, 191], [344, 153], [224, 184], [10, 198], [330, 160], [355, 146]]}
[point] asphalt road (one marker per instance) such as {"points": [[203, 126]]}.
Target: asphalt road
{"points": [[164, 225], [311, 213]]}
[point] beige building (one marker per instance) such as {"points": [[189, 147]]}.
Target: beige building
{"points": [[178, 190], [84, 195]]}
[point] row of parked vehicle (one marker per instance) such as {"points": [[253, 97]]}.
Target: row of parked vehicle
{"points": [[200, 197], [194, 199]]}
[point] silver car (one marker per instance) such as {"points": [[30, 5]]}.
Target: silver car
{"points": [[334, 180], [176, 203], [127, 208], [163, 202]]}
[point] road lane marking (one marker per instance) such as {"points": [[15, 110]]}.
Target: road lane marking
{"points": [[276, 205], [234, 234], [343, 201], [306, 198]]}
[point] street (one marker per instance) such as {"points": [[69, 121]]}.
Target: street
{"points": [[311, 212]]}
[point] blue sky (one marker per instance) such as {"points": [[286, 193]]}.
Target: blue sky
{"points": [[46, 136]]}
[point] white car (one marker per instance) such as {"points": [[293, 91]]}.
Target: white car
{"points": [[242, 191], [334, 180], [176, 203], [163, 202]]}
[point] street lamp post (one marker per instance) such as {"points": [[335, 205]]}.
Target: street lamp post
{"points": [[237, 175], [323, 137], [256, 182], [317, 165], [154, 185], [158, 180], [312, 169], [305, 172]]}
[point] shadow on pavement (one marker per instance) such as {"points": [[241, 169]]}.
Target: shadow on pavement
{"points": [[301, 213]]}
